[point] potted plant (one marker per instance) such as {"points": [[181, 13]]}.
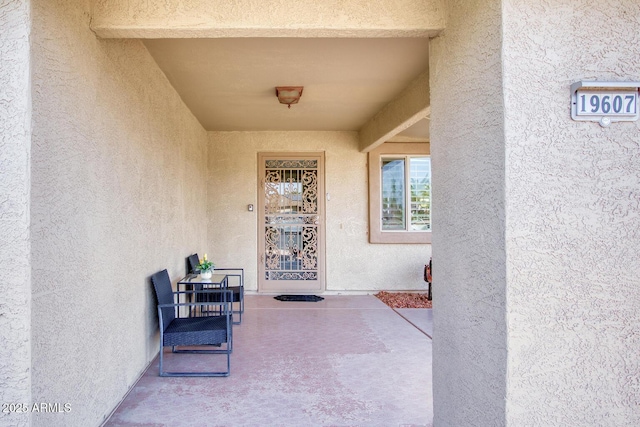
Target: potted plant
{"points": [[206, 267]]}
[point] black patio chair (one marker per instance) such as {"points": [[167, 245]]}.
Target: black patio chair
{"points": [[193, 330], [238, 291]]}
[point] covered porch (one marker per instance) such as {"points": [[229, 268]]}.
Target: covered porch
{"points": [[108, 175]]}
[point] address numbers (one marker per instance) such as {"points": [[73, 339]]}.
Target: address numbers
{"points": [[607, 103]]}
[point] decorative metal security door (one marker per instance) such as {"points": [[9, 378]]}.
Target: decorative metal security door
{"points": [[291, 236]]}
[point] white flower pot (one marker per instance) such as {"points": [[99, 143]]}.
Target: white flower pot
{"points": [[206, 274]]}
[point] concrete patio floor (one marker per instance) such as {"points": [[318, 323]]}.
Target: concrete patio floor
{"points": [[345, 361]]}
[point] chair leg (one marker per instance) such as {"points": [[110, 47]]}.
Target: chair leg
{"points": [[198, 374], [161, 356], [241, 309], [230, 332], [175, 349]]}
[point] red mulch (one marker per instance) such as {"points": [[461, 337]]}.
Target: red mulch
{"points": [[404, 299]]}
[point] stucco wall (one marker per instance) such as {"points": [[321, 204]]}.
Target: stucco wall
{"points": [[15, 145], [573, 218], [467, 151], [281, 18], [352, 263], [119, 175], [568, 227]]}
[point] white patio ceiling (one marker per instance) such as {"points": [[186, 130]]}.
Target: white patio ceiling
{"points": [[229, 83]]}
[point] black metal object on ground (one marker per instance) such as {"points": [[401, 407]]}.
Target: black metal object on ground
{"points": [[310, 298], [427, 276]]}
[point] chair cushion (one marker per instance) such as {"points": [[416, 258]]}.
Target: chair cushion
{"points": [[208, 330]]}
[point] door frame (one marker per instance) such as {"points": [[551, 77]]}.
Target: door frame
{"points": [[321, 249]]}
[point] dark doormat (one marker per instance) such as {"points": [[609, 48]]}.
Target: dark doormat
{"points": [[311, 298]]}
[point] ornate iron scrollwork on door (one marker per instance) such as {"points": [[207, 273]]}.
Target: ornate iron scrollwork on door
{"points": [[291, 219]]}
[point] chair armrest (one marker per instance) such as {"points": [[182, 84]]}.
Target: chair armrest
{"points": [[226, 309], [209, 291], [228, 292], [192, 304], [203, 291]]}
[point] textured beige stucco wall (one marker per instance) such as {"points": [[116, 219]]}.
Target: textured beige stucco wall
{"points": [[573, 218], [118, 191], [352, 263], [552, 271], [15, 276], [467, 151], [250, 18]]}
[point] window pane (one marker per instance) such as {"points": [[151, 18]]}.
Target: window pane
{"points": [[420, 175], [393, 195]]}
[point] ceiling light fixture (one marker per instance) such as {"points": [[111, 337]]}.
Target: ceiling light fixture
{"points": [[289, 94]]}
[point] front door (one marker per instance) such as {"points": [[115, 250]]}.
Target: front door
{"points": [[291, 222]]}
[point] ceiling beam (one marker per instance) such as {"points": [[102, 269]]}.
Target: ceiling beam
{"points": [[284, 18], [408, 108]]}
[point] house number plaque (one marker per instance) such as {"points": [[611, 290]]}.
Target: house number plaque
{"points": [[604, 102]]}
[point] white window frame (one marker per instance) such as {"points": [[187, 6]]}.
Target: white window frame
{"points": [[376, 234]]}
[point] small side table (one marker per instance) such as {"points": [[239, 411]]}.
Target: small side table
{"points": [[195, 282]]}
